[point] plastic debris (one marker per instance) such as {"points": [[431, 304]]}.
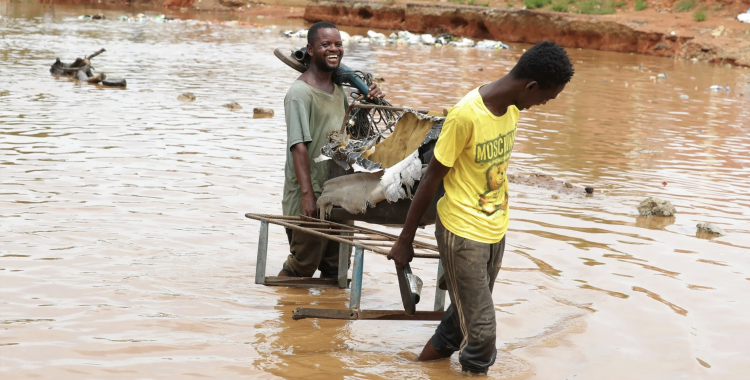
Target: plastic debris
{"points": [[744, 17], [427, 39], [720, 88], [683, 96], [490, 44], [661, 76], [375, 35]]}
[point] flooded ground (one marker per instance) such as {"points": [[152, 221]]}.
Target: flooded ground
{"points": [[124, 252]]}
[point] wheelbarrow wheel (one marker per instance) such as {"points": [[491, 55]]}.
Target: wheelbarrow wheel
{"points": [[289, 60]]}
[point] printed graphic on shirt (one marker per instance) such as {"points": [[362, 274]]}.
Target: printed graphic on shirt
{"points": [[496, 152]]}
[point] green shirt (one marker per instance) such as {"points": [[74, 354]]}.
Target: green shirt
{"points": [[311, 115]]}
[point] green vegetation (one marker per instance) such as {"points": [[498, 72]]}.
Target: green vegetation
{"points": [[596, 7], [684, 5], [700, 14], [486, 4], [471, 2], [640, 5], [534, 4], [559, 6]]}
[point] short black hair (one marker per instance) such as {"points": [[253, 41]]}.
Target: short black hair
{"points": [[313, 32], [547, 63]]}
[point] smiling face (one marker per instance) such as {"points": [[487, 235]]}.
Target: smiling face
{"points": [[532, 95], [327, 50]]}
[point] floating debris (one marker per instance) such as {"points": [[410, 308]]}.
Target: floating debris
{"points": [[653, 206], [710, 228], [234, 106], [82, 70], [262, 112], [186, 97], [589, 190]]}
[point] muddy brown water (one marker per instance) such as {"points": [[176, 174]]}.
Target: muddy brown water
{"points": [[124, 252]]}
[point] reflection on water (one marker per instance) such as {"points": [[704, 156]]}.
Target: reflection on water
{"points": [[124, 253]]}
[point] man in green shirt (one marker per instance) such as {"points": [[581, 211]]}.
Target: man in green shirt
{"points": [[314, 106]]}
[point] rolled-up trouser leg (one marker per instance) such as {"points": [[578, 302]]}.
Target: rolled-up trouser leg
{"points": [[329, 264], [468, 325], [306, 253]]}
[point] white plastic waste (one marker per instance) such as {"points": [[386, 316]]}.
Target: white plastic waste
{"points": [[466, 42], [345, 37], [744, 17], [375, 35], [428, 39], [490, 44]]}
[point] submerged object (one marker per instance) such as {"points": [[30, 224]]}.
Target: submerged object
{"points": [[82, 70], [410, 287]]}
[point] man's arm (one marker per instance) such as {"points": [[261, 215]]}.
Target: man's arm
{"points": [[402, 251], [301, 164]]}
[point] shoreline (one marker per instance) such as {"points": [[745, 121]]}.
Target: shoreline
{"points": [[720, 39], [645, 32]]}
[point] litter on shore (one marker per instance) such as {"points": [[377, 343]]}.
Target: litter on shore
{"points": [[407, 38]]}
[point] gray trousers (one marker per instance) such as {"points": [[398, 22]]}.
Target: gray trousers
{"points": [[469, 324]]}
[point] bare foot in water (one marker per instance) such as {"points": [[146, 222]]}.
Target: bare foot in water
{"points": [[429, 353]]}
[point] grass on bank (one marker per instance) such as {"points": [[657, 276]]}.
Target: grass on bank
{"points": [[536, 4], [560, 5], [640, 5], [684, 5], [597, 7], [700, 14]]}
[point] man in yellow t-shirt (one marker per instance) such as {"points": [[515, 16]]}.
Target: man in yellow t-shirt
{"points": [[471, 157]]}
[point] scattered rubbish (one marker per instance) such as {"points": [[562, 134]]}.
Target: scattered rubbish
{"points": [[683, 96], [262, 112], [4, 93], [234, 106], [555, 196], [186, 97], [661, 76], [114, 82], [664, 183], [82, 70], [490, 44], [568, 185], [744, 17], [710, 228], [589, 190], [717, 32], [407, 38], [654, 206], [91, 17], [720, 88]]}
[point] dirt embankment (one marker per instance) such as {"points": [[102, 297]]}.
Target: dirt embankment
{"points": [[720, 40]]}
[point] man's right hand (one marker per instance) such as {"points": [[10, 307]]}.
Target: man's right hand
{"points": [[309, 206], [402, 252]]}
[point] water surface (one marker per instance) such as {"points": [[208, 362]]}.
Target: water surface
{"points": [[124, 252]]}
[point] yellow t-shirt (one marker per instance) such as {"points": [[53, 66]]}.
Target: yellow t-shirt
{"points": [[476, 145]]}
